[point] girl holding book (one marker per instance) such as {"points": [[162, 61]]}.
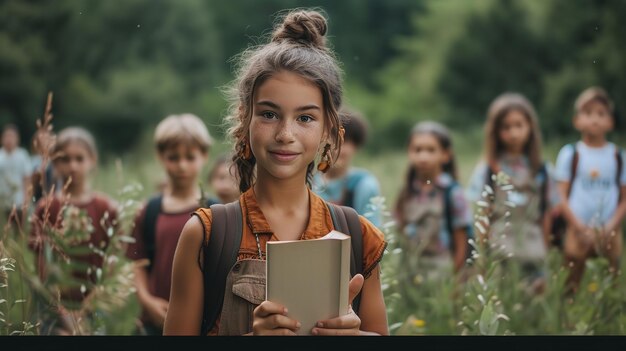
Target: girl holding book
{"points": [[283, 118]]}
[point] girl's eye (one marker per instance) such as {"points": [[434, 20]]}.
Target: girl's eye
{"points": [[305, 118], [268, 114]]}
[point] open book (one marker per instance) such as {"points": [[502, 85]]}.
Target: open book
{"points": [[310, 277]]}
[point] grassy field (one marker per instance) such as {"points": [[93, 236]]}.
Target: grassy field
{"points": [[491, 301]]}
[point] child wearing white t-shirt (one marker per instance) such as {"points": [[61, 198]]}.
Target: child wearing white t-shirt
{"points": [[591, 178]]}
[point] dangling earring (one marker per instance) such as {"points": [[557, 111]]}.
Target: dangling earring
{"points": [[324, 165], [244, 150]]}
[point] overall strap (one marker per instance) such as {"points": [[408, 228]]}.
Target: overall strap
{"points": [[346, 220], [153, 208], [219, 256]]}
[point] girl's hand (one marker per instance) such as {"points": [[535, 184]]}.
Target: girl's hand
{"points": [[348, 324], [270, 318]]}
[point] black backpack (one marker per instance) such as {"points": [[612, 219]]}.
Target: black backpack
{"points": [[153, 208], [448, 214], [220, 253]]}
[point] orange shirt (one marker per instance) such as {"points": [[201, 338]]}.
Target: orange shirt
{"points": [[320, 224]]}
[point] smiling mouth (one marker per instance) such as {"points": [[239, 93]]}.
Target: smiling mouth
{"points": [[283, 156]]}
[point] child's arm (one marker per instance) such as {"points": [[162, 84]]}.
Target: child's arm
{"points": [[184, 314], [460, 248], [546, 225], [615, 221], [569, 215], [155, 307]]}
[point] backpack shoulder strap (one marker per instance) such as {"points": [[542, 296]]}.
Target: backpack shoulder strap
{"points": [[353, 179], [346, 220], [447, 211], [620, 163], [449, 221], [220, 253], [620, 169], [573, 168], [153, 208], [543, 199], [489, 173]]}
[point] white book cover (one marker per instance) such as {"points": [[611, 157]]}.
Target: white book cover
{"points": [[310, 277]]}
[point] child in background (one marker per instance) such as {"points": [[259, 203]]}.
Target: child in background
{"points": [[344, 184], [75, 157], [512, 145], [431, 211], [43, 179], [182, 143], [283, 114], [223, 182], [591, 178], [15, 174]]}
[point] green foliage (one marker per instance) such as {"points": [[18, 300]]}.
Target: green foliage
{"points": [[109, 307]]}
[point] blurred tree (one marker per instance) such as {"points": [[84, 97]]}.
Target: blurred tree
{"points": [[498, 52]]}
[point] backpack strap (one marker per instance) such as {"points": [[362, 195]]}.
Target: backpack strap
{"points": [[620, 166], [448, 214], [346, 220], [351, 183], [573, 168], [543, 200], [153, 208], [447, 211], [220, 253]]}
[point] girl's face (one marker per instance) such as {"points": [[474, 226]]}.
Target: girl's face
{"points": [[224, 184], [75, 162], [514, 131], [426, 154], [594, 119], [287, 126], [183, 164]]}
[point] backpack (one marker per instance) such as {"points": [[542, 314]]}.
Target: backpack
{"points": [[559, 223], [220, 253], [347, 198], [153, 208], [448, 213]]}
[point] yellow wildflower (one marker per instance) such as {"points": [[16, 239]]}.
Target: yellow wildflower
{"points": [[592, 287], [419, 323]]}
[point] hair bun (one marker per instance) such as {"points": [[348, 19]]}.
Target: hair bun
{"points": [[306, 27]]}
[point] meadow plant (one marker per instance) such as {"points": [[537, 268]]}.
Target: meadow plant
{"points": [[109, 306]]}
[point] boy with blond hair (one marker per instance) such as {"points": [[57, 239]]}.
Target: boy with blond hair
{"points": [[591, 179], [182, 143]]}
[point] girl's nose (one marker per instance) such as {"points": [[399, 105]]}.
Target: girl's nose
{"points": [[285, 132]]}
